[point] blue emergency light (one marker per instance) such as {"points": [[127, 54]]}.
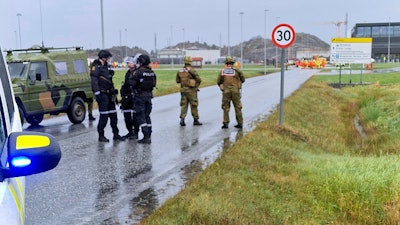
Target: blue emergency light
{"points": [[21, 161]]}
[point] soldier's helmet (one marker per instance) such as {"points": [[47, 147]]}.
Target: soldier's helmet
{"points": [[143, 60], [188, 60], [229, 60], [104, 54]]}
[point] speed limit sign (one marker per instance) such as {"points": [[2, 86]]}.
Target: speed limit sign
{"points": [[283, 35]]}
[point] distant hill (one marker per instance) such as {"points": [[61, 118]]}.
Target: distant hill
{"points": [[253, 49]]}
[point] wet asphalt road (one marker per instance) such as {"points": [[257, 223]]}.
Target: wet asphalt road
{"points": [[121, 182]]}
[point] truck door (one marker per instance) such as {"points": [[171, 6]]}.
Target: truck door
{"points": [[38, 97]]}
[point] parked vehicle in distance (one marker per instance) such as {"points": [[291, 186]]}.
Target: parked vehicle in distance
{"points": [[50, 81], [22, 153]]}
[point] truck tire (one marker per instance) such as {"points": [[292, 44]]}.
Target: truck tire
{"points": [[34, 120], [77, 110]]}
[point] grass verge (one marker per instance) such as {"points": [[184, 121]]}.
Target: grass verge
{"points": [[315, 169]]}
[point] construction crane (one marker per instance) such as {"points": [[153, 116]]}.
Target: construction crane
{"points": [[339, 24]]}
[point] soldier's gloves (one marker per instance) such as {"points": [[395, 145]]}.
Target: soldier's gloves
{"points": [[97, 95]]}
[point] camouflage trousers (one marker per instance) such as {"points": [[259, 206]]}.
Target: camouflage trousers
{"points": [[189, 98], [232, 94]]}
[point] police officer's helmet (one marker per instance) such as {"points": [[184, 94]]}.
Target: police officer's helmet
{"points": [[129, 59], [143, 60], [104, 54], [135, 58], [187, 60], [229, 60]]}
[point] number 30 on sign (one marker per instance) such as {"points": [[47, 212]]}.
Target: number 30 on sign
{"points": [[283, 35]]}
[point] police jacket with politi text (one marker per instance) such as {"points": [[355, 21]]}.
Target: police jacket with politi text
{"points": [[143, 81]]}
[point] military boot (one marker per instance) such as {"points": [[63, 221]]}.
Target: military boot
{"points": [[91, 117], [197, 123], [182, 123], [224, 126], [240, 126]]}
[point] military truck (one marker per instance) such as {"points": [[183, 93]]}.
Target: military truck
{"points": [[50, 81]]}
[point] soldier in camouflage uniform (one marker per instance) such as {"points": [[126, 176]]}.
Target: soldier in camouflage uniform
{"points": [[190, 82], [230, 82]]}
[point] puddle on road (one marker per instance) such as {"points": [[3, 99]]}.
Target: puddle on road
{"points": [[150, 199], [147, 201]]}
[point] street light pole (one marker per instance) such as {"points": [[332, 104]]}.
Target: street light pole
{"points": [[41, 21], [276, 48], [16, 39], [102, 24], [183, 38], [241, 40], [389, 42], [229, 45], [265, 40], [126, 42], [19, 29]]}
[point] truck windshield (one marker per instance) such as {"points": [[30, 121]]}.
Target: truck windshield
{"points": [[18, 69]]}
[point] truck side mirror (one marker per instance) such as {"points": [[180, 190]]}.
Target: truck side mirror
{"points": [[39, 77]]}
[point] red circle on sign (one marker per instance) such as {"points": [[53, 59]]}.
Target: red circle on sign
{"points": [[283, 35]]}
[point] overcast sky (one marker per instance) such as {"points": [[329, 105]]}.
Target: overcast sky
{"points": [[68, 23]]}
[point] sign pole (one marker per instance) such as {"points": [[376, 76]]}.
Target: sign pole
{"points": [[282, 86], [283, 36]]}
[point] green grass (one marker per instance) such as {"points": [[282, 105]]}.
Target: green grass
{"points": [[315, 169], [381, 78], [166, 74]]}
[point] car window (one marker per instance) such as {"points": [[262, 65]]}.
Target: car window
{"points": [[18, 69], [61, 68], [3, 136], [7, 88], [38, 68], [3, 131], [80, 66]]}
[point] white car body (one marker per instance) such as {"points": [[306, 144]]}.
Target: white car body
{"points": [[31, 148]]}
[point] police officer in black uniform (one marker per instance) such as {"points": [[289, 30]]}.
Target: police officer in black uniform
{"points": [[143, 81], [106, 95], [127, 98]]}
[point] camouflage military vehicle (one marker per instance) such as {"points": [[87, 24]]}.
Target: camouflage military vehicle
{"points": [[50, 81]]}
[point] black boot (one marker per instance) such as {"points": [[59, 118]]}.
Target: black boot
{"points": [[197, 123], [118, 138], [103, 139], [224, 126], [145, 140], [91, 117], [182, 123], [240, 126], [128, 135]]}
